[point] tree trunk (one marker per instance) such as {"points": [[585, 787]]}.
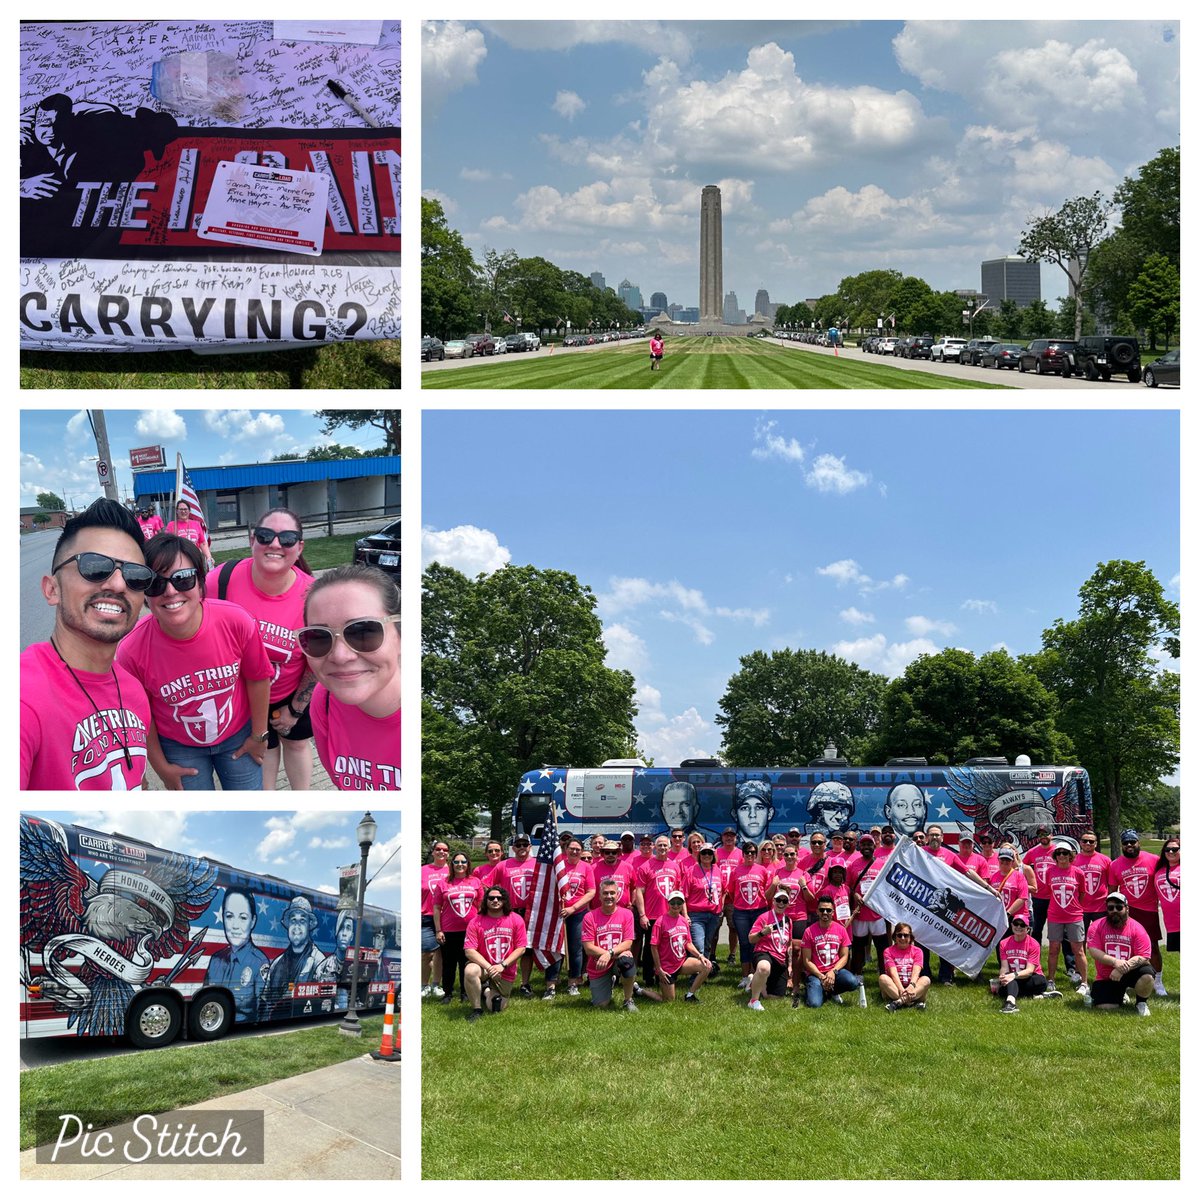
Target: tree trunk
{"points": [[1113, 788]]}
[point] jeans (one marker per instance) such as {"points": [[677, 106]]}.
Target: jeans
{"points": [[241, 774], [574, 926], [743, 918], [814, 993], [705, 926]]}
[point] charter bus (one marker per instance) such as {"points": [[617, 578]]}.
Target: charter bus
{"points": [[122, 937], [982, 795]]}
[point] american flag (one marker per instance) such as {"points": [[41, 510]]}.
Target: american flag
{"points": [[545, 923], [184, 491]]}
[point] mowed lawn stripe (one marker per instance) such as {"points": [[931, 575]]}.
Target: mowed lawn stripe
{"points": [[700, 363]]}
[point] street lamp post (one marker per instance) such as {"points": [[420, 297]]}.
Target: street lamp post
{"points": [[366, 838]]}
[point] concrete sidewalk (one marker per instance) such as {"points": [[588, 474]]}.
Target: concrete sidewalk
{"points": [[341, 1122]]}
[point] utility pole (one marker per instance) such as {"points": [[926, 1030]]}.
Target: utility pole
{"points": [[105, 466]]}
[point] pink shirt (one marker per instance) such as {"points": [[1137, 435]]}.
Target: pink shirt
{"points": [[749, 886], [972, 862], [150, 527], [728, 861], [1041, 859], [860, 875], [778, 942], [671, 935], [658, 880], [825, 945], [496, 938], [1065, 885], [192, 530], [360, 752], [607, 932], [516, 878], [65, 745], [1166, 885], [277, 617], [907, 962], [656, 346], [621, 874], [197, 685], [1094, 869], [458, 902], [576, 882], [705, 890], [816, 880], [1013, 887], [794, 881], [1130, 942], [431, 876], [1135, 877], [1017, 953]]}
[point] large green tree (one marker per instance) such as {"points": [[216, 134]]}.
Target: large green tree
{"points": [[51, 502], [513, 669], [1117, 702], [781, 708], [449, 278], [386, 420], [952, 706], [1153, 301]]}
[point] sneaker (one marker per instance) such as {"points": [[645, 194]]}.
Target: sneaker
{"points": [[1127, 999], [919, 1006], [730, 959], [526, 992], [1074, 977], [756, 1006], [1160, 988], [1052, 993], [629, 1006], [1143, 1009], [838, 999], [447, 999], [744, 985], [862, 995], [946, 982], [1083, 989], [637, 988], [795, 999], [573, 989], [549, 993], [1010, 1006], [1087, 1000], [891, 1006], [474, 1015], [497, 1001], [426, 992], [692, 998], [436, 991]]}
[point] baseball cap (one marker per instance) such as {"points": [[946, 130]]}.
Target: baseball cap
{"points": [[1019, 919], [1043, 829], [611, 845], [627, 833], [793, 832], [676, 896], [645, 838], [1130, 835], [707, 848], [1006, 852], [521, 840], [728, 829], [1115, 895]]}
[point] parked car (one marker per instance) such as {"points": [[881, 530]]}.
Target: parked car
{"points": [[919, 347], [481, 344], [514, 343], [946, 349], [381, 549], [432, 348], [532, 341], [1162, 370], [1099, 356], [501, 346], [969, 354], [457, 349], [1048, 356], [1001, 354], [887, 345]]}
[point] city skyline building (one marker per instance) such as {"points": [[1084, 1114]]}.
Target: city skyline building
{"points": [[1011, 278], [711, 250]]}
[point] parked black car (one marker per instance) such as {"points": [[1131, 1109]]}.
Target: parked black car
{"points": [[969, 355], [1162, 370], [432, 348], [919, 347], [1048, 356], [381, 549], [1099, 356]]}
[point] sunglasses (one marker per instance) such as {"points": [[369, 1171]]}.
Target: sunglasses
{"points": [[824, 912], [749, 850], [362, 636], [902, 937], [1115, 907], [1170, 849], [183, 580], [674, 901], [287, 537], [96, 568], [782, 900], [1020, 924]]}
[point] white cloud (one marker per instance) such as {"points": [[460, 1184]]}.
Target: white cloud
{"points": [[846, 572], [700, 631], [160, 423], [568, 105], [670, 740], [162, 827], [852, 616], [658, 36], [626, 651], [467, 548], [333, 843], [830, 474], [769, 444], [923, 626], [448, 203], [878, 654], [279, 839], [687, 606], [242, 425], [450, 58], [981, 606]]}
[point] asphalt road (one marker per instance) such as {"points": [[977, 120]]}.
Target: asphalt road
{"points": [[37, 617]]}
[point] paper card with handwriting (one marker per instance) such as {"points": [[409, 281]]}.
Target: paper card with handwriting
{"points": [[266, 207]]}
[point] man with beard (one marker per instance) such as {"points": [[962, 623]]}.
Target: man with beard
{"points": [[83, 719], [299, 963], [1120, 948], [1132, 873]]}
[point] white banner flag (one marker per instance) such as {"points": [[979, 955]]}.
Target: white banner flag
{"points": [[951, 915]]}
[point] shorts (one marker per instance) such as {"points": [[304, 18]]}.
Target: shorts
{"points": [[429, 942], [777, 980], [1064, 931], [301, 731], [1110, 991], [656, 358], [600, 986], [502, 987], [799, 925], [861, 929], [1149, 922]]}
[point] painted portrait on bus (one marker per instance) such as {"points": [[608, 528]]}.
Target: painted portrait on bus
{"points": [[752, 809], [680, 806], [239, 965], [299, 963], [830, 807], [906, 808]]}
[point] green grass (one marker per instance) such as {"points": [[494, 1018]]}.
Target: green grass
{"points": [[319, 552], [692, 362], [714, 1091], [345, 365], [156, 1081]]}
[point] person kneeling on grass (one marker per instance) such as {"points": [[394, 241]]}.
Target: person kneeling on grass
{"points": [[900, 980], [675, 954], [495, 941], [1120, 948], [1020, 965], [607, 934], [771, 936], [825, 950]]}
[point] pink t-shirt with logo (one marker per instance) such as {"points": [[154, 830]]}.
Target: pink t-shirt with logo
{"points": [[1013, 887], [907, 961], [1041, 859], [197, 685], [606, 932], [749, 886], [705, 889], [860, 875], [1130, 942], [458, 901], [360, 752], [65, 744], [728, 861], [192, 530], [1065, 885], [778, 942], [671, 935], [575, 883], [1135, 877], [794, 881], [826, 945], [1166, 885], [496, 938], [1017, 953], [658, 880], [277, 617], [972, 862], [151, 526], [1094, 869], [621, 874], [431, 876], [516, 878], [817, 881]]}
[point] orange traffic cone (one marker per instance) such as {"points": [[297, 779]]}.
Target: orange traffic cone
{"points": [[389, 1046]]}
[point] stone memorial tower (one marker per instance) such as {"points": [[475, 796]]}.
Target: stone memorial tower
{"points": [[711, 282]]}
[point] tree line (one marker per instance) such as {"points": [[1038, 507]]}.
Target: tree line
{"points": [[514, 676]]}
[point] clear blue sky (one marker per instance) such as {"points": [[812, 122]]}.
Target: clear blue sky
{"points": [[839, 146], [58, 450], [876, 535], [302, 847]]}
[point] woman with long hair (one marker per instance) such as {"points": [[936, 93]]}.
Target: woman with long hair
{"points": [[351, 638], [186, 526], [1166, 888], [204, 668], [271, 585], [456, 899]]}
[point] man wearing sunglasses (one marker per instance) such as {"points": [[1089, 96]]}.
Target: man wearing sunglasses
{"points": [[83, 719], [1120, 948]]}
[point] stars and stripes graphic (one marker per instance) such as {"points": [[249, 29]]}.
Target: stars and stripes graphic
{"points": [[186, 492], [544, 919]]}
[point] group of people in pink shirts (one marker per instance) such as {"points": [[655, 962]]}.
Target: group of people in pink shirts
{"points": [[797, 916]]}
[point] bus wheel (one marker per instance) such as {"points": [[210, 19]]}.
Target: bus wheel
{"points": [[153, 1021], [210, 1017]]}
